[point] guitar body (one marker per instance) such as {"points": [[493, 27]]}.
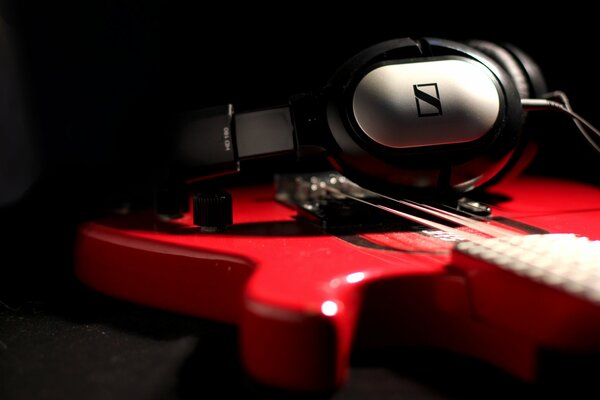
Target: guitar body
{"points": [[303, 296]]}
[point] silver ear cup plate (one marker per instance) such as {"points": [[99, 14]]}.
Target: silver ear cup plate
{"points": [[426, 103]]}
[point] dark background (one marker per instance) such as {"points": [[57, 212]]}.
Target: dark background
{"points": [[102, 78]]}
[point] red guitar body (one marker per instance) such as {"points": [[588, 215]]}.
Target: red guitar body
{"points": [[303, 297]]}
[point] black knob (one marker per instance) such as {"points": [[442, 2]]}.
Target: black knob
{"points": [[213, 210]]}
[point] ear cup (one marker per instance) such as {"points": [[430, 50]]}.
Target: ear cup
{"points": [[530, 83], [375, 131], [509, 63]]}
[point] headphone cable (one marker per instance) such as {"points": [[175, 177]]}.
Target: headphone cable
{"points": [[562, 105]]}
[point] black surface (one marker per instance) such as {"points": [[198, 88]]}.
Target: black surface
{"points": [[92, 347]]}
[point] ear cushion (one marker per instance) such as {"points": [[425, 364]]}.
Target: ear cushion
{"points": [[530, 83], [508, 62], [537, 83]]}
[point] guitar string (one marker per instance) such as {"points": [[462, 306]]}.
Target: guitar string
{"points": [[481, 226], [478, 226], [410, 217]]}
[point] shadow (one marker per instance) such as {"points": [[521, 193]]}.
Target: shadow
{"points": [[143, 352], [137, 351], [147, 221], [274, 229], [489, 197], [213, 367], [429, 373]]}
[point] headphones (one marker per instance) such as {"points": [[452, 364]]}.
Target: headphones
{"points": [[406, 113]]}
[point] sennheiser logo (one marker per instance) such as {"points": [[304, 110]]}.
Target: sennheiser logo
{"points": [[427, 96]]}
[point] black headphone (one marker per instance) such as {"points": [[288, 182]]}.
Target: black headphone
{"points": [[425, 113]]}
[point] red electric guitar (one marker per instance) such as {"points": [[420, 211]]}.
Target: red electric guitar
{"points": [[318, 265]]}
